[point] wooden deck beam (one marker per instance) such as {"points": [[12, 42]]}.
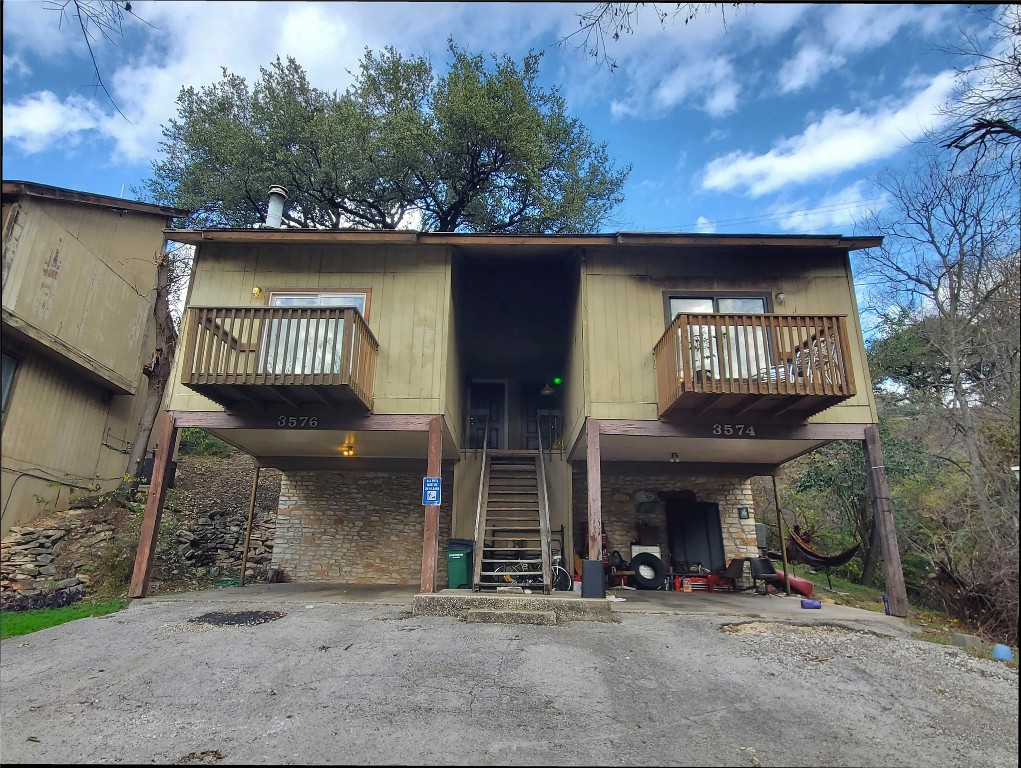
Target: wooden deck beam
{"points": [[595, 499], [146, 551], [431, 527]]}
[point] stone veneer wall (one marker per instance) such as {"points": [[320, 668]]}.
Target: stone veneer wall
{"points": [[620, 511], [356, 528]]}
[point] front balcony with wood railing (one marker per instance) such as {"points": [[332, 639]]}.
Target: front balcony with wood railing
{"points": [[769, 366], [271, 356]]}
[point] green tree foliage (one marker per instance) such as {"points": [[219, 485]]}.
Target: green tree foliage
{"points": [[198, 442], [480, 148], [947, 283], [831, 500]]}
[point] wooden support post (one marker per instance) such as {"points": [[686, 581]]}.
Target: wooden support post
{"points": [[882, 510], [248, 525], [595, 497], [153, 508], [783, 539], [431, 532]]}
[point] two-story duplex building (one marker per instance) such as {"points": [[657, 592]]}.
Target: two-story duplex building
{"points": [[564, 388], [79, 288]]}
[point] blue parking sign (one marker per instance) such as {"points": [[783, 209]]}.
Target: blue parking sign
{"points": [[431, 491]]}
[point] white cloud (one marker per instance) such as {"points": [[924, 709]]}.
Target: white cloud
{"points": [[807, 67], [711, 83], [14, 66], [835, 212], [36, 122], [845, 31], [188, 43], [839, 141], [856, 28], [704, 225]]}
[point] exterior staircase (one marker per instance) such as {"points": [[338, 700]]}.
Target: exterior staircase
{"points": [[512, 524]]}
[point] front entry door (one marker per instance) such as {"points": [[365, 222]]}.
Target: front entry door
{"points": [[489, 397]]}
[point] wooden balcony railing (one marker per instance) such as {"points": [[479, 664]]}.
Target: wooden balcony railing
{"points": [[271, 355], [770, 364]]}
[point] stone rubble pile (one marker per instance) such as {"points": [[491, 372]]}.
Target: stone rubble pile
{"points": [[27, 568]]}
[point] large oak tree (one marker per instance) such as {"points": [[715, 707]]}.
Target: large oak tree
{"points": [[481, 148]]}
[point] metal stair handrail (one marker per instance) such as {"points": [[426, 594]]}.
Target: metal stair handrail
{"points": [[544, 531], [479, 528]]}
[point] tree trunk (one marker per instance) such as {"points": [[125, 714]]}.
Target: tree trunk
{"points": [[970, 432], [159, 373], [872, 550]]}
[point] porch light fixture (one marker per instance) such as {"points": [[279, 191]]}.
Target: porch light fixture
{"points": [[347, 450], [257, 292], [674, 458], [780, 297], [546, 390]]}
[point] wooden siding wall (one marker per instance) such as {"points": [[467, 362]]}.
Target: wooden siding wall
{"points": [[625, 315], [84, 276], [62, 428], [454, 395], [575, 402], [409, 308]]}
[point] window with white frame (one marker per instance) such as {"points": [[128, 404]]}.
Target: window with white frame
{"points": [[307, 345], [725, 349]]}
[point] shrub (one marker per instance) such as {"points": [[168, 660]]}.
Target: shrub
{"points": [[198, 442]]}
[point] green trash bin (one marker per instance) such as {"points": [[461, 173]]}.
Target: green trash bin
{"points": [[459, 566]]}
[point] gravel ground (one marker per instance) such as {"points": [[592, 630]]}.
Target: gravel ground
{"points": [[372, 684]]}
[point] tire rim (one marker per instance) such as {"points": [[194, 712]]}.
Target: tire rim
{"points": [[646, 571]]}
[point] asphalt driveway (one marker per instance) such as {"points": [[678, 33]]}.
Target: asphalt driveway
{"points": [[271, 677]]}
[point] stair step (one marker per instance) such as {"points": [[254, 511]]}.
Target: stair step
{"points": [[513, 538], [492, 616]]}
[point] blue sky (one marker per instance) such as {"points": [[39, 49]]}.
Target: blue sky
{"points": [[773, 122]]}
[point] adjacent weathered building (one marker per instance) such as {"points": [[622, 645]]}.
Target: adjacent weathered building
{"points": [[79, 278]]}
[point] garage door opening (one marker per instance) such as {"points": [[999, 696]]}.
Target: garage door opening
{"points": [[695, 535]]}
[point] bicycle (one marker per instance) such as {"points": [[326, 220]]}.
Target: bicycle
{"points": [[514, 573], [562, 579]]}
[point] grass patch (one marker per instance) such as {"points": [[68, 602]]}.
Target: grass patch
{"points": [[15, 623]]}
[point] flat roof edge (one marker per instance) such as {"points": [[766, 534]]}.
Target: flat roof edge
{"points": [[33, 189], [292, 235]]}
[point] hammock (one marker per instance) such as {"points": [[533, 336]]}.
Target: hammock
{"points": [[800, 551]]}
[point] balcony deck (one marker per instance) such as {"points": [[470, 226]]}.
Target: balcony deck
{"points": [[268, 356], [752, 366]]}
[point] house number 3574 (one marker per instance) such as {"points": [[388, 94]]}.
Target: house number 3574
{"points": [[734, 430], [298, 421]]}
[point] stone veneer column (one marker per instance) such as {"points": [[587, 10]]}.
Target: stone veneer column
{"points": [[620, 512], [354, 528]]}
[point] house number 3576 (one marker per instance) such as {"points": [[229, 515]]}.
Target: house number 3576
{"points": [[298, 421], [734, 430]]}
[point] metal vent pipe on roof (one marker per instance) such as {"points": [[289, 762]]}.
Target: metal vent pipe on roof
{"points": [[277, 197]]}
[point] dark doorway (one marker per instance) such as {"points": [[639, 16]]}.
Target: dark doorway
{"points": [[488, 399], [696, 537]]}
